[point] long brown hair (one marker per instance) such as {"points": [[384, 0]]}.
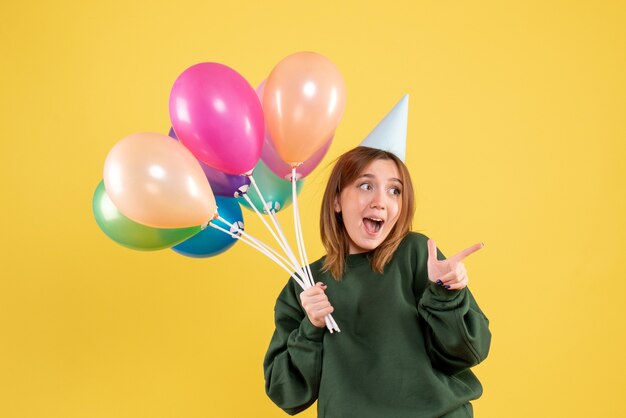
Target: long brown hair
{"points": [[334, 234]]}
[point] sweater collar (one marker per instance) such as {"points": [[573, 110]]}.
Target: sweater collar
{"points": [[353, 260]]}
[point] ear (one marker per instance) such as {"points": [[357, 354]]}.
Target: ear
{"points": [[336, 205]]}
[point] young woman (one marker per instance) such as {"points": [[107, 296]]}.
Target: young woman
{"points": [[410, 327]]}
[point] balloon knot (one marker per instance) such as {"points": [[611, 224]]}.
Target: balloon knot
{"points": [[242, 190]]}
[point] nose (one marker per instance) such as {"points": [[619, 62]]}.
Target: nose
{"points": [[378, 201]]}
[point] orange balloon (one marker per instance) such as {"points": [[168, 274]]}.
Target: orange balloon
{"points": [[155, 181], [303, 102]]}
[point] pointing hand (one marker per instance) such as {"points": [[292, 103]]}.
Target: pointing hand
{"points": [[449, 273]]}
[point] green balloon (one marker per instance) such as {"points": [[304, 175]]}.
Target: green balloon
{"points": [[276, 191], [131, 234]]}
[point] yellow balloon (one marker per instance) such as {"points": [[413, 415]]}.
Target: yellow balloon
{"points": [[155, 181]]}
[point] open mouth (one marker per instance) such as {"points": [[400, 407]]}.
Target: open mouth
{"points": [[373, 225]]}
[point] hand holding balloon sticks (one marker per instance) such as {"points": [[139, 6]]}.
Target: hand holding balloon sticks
{"points": [[330, 321], [302, 275]]}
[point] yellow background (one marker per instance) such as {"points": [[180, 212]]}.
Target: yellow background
{"points": [[516, 136]]}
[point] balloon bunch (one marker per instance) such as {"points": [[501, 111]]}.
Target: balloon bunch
{"points": [[161, 191]]}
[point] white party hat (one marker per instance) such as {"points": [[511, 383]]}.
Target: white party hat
{"points": [[390, 133]]}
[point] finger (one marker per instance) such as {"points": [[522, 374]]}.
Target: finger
{"points": [[313, 310], [432, 250], [319, 310], [320, 305], [467, 251], [452, 277], [306, 296], [460, 269], [317, 299], [454, 283], [459, 285], [448, 277], [323, 312], [312, 307], [312, 291], [318, 285]]}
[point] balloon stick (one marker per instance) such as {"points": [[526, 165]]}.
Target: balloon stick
{"points": [[330, 322]]}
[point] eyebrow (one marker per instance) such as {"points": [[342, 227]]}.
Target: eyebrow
{"points": [[371, 176]]}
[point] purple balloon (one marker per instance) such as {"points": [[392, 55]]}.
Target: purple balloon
{"points": [[218, 117], [272, 160], [222, 184]]}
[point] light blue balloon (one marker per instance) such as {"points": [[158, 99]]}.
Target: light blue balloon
{"points": [[210, 241]]}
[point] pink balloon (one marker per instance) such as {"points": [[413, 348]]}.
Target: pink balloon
{"points": [[217, 115], [272, 160]]}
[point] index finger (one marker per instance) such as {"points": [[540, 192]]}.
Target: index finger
{"points": [[460, 256], [314, 290]]}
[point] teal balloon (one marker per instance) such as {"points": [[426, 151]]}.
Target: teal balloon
{"points": [[130, 233], [211, 242], [276, 191]]}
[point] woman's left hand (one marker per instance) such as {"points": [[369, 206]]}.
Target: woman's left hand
{"points": [[449, 273]]}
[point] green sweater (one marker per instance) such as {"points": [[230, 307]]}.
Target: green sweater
{"points": [[405, 348]]}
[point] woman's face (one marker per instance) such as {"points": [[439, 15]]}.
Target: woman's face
{"points": [[370, 205]]}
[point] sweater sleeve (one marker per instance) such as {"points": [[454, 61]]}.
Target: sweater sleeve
{"points": [[293, 362], [457, 331]]}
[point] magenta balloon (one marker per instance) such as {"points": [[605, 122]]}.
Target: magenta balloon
{"points": [[218, 117], [272, 160]]}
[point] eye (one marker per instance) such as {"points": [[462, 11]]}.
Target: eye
{"points": [[395, 191], [365, 186]]}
